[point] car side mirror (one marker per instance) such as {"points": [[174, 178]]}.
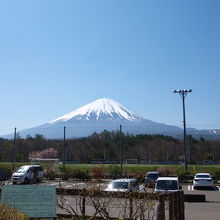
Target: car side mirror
{"points": [[180, 187]]}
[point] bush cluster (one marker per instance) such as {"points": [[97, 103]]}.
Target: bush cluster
{"points": [[80, 174], [8, 213]]}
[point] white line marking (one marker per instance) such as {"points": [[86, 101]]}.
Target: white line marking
{"points": [[190, 188], [53, 184], [69, 186], [60, 183]]}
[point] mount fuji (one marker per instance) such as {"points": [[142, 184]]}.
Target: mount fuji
{"points": [[104, 114], [100, 110]]}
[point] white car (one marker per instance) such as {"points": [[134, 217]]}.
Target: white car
{"points": [[123, 185], [203, 180], [27, 173], [167, 184]]}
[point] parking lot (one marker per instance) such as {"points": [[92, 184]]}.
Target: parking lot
{"points": [[193, 210], [203, 210]]}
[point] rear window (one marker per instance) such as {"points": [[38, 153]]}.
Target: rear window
{"points": [[203, 176], [153, 175], [167, 185]]}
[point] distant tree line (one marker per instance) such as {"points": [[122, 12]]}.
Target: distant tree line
{"points": [[106, 147]]}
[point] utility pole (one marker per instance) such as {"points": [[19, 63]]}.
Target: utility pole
{"points": [[14, 151], [183, 94], [120, 151], [64, 147]]}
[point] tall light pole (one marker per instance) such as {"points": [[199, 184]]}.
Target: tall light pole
{"points": [[64, 147], [14, 151], [120, 150], [183, 94]]}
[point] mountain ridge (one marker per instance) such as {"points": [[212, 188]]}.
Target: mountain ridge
{"points": [[107, 114]]}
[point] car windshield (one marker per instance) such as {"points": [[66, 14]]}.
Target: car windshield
{"points": [[119, 185], [203, 176], [167, 185], [22, 170]]}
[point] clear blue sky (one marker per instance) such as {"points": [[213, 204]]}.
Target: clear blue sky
{"points": [[56, 56]]}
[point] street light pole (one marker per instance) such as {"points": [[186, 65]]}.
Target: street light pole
{"points": [[120, 151], [183, 94], [64, 147], [14, 151]]}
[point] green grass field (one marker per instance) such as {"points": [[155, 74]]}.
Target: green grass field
{"points": [[129, 169]]}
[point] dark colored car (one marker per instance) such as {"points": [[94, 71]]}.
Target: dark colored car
{"points": [[3, 175], [151, 178]]}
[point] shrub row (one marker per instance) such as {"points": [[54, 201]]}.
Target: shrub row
{"points": [[113, 171], [8, 213]]}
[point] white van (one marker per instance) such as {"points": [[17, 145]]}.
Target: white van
{"points": [[167, 184], [26, 174]]}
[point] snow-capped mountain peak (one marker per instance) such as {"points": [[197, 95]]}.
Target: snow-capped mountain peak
{"points": [[101, 109], [107, 114]]}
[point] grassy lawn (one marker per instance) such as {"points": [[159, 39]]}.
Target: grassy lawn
{"points": [[129, 169], [140, 168]]}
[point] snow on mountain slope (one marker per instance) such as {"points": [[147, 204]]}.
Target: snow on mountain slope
{"points": [[107, 114], [101, 109]]}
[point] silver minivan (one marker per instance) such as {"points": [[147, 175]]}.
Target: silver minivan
{"points": [[123, 185], [26, 174]]}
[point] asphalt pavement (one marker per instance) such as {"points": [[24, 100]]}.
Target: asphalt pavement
{"points": [[209, 210]]}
